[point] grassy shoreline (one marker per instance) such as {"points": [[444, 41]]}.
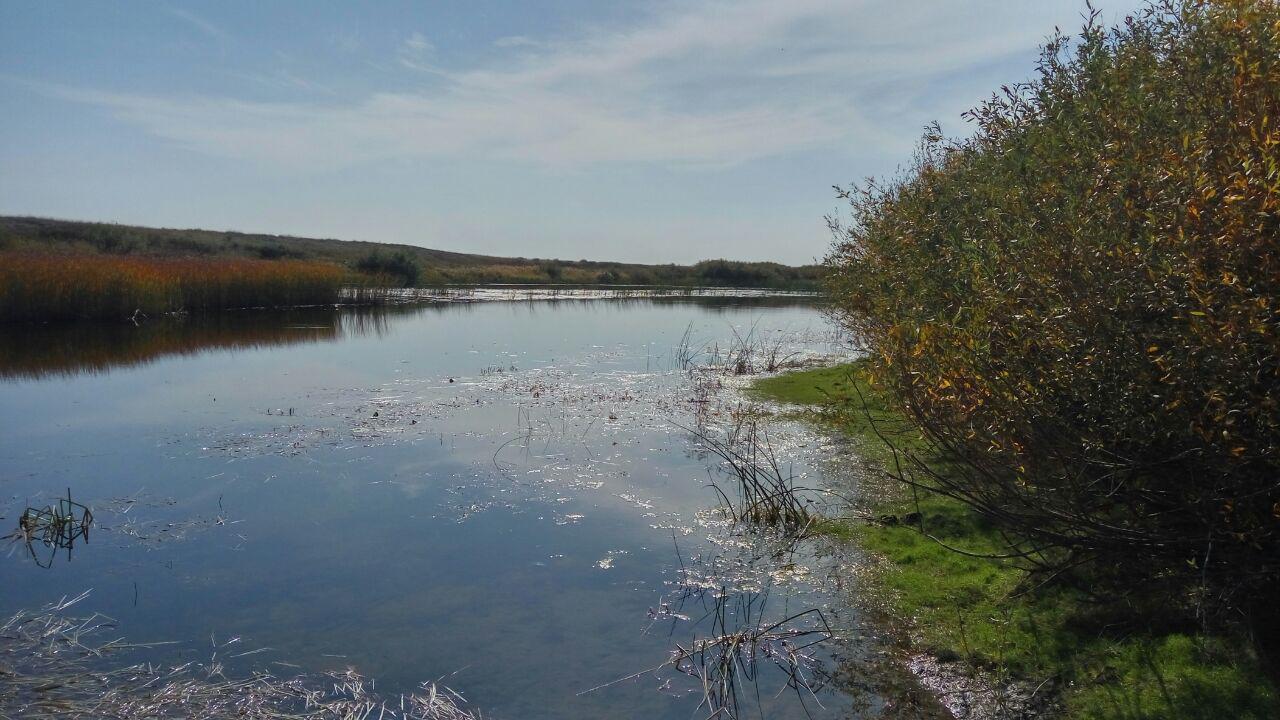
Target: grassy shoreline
{"points": [[1104, 659]]}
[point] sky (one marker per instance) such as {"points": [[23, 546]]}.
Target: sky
{"points": [[654, 131]]}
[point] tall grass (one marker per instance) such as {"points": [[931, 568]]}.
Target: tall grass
{"points": [[40, 287]]}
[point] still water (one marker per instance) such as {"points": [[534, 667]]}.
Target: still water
{"points": [[507, 497]]}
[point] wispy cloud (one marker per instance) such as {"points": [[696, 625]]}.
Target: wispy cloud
{"points": [[198, 22], [706, 83], [511, 41], [285, 78], [417, 43], [415, 53], [347, 41]]}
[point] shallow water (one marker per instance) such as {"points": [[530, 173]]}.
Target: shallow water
{"points": [[506, 496]]}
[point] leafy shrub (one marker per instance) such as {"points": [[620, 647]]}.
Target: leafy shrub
{"points": [[754, 274], [397, 267], [1079, 303], [552, 270]]}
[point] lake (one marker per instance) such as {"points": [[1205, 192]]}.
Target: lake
{"points": [[510, 498]]}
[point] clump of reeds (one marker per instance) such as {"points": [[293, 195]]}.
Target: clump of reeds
{"points": [[728, 662], [40, 287], [742, 645], [746, 354], [57, 527], [766, 495], [374, 290], [53, 667]]}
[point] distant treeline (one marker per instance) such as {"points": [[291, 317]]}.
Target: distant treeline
{"points": [[393, 264]]}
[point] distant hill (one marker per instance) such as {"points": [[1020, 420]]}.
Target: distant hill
{"points": [[413, 264]]}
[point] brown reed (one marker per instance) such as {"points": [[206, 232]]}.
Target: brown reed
{"points": [[42, 287]]}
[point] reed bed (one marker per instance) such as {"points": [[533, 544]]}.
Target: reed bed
{"points": [[43, 287], [54, 665]]}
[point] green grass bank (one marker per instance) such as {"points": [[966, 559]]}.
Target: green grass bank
{"points": [[1115, 657]]}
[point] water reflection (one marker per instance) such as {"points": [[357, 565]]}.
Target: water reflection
{"points": [[69, 349], [66, 350], [30, 352]]}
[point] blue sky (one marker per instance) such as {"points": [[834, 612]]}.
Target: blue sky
{"points": [[649, 131]]}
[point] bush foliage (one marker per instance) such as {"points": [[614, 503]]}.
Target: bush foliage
{"points": [[1079, 303]]}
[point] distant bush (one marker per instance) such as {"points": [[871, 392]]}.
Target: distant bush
{"points": [[755, 274], [272, 252], [552, 270], [1081, 304], [723, 272], [399, 267]]}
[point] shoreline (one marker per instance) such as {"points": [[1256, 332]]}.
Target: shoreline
{"points": [[360, 297], [989, 638]]}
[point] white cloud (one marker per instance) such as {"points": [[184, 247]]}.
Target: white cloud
{"points": [[705, 83]]}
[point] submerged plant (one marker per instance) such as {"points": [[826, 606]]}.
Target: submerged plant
{"points": [[57, 527]]}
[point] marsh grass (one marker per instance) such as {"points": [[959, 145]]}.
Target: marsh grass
{"points": [[43, 287]]}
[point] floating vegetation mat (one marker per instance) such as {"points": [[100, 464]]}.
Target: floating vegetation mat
{"points": [[54, 665]]}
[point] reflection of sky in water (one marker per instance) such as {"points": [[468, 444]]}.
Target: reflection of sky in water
{"points": [[514, 526]]}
